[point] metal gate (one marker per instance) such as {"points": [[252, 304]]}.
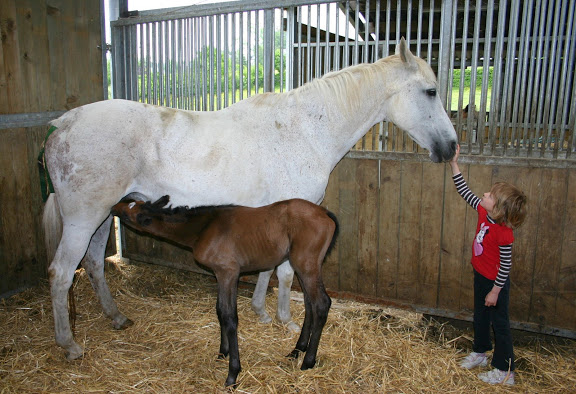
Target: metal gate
{"points": [[505, 68]]}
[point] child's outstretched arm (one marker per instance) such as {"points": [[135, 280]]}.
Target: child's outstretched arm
{"points": [[454, 161], [460, 183]]}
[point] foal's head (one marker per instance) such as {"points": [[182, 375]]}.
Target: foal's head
{"points": [[140, 214]]}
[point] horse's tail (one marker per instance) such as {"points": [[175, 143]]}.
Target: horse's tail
{"points": [[52, 222], [336, 231]]}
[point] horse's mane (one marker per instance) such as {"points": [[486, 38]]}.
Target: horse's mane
{"points": [[180, 213], [344, 86]]}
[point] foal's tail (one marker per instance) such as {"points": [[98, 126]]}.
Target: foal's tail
{"points": [[336, 232], [52, 222]]}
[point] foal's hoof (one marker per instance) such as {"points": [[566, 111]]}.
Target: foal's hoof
{"points": [[306, 365], [123, 325], [231, 386], [294, 354]]}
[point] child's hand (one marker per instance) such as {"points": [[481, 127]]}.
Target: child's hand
{"points": [[454, 161], [492, 298], [456, 155]]}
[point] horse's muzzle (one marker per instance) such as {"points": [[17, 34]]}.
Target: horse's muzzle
{"points": [[443, 152]]}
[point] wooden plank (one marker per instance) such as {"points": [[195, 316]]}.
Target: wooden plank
{"points": [[32, 39], [430, 233], [331, 267], [389, 223], [20, 262], [525, 239], [566, 302], [368, 214], [455, 257], [548, 256], [56, 48], [348, 216], [409, 231], [13, 99]]}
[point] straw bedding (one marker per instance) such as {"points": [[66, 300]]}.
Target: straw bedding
{"points": [[173, 344]]}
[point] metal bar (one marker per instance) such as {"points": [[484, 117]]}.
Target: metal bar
{"points": [[210, 54], [309, 46], [234, 17], [444, 51], [485, 76], [497, 79], [209, 9], [568, 64], [249, 53], [543, 99], [519, 94], [219, 71], [553, 80], [32, 119], [533, 80], [269, 39], [318, 53], [241, 57], [226, 60]]}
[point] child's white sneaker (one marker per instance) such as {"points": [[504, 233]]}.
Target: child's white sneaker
{"points": [[474, 360], [497, 376]]}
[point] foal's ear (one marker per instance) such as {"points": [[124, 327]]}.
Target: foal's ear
{"points": [[405, 55], [161, 202]]}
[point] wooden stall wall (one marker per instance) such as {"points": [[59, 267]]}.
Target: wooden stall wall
{"points": [[49, 61], [406, 236], [408, 241]]}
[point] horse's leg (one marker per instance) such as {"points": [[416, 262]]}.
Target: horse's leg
{"points": [[228, 317], [285, 275], [93, 263], [71, 249], [259, 296]]}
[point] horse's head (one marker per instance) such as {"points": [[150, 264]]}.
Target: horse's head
{"points": [[415, 106]]}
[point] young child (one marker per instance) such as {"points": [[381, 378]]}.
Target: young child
{"points": [[499, 212]]}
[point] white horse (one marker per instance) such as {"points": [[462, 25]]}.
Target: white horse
{"points": [[267, 148]]}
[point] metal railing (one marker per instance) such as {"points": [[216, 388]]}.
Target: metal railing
{"points": [[505, 68]]}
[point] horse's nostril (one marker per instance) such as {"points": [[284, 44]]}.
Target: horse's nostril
{"points": [[453, 146]]}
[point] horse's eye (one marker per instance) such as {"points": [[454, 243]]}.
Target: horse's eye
{"points": [[431, 92]]}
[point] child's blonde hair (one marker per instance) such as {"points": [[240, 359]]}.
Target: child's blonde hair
{"points": [[509, 204]]}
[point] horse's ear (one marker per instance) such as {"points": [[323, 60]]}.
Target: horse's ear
{"points": [[405, 55]]}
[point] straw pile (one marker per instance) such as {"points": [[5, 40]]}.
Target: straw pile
{"points": [[173, 344]]}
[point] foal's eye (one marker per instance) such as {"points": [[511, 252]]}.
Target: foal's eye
{"points": [[431, 92]]}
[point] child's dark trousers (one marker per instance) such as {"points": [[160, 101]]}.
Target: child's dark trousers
{"points": [[497, 317]]}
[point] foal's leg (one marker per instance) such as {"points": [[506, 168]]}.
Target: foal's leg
{"points": [[93, 263], [71, 249], [228, 317], [319, 304], [304, 338]]}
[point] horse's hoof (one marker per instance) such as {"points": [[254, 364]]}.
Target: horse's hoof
{"points": [[293, 327], [306, 365], [74, 353], [123, 325], [265, 318]]}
